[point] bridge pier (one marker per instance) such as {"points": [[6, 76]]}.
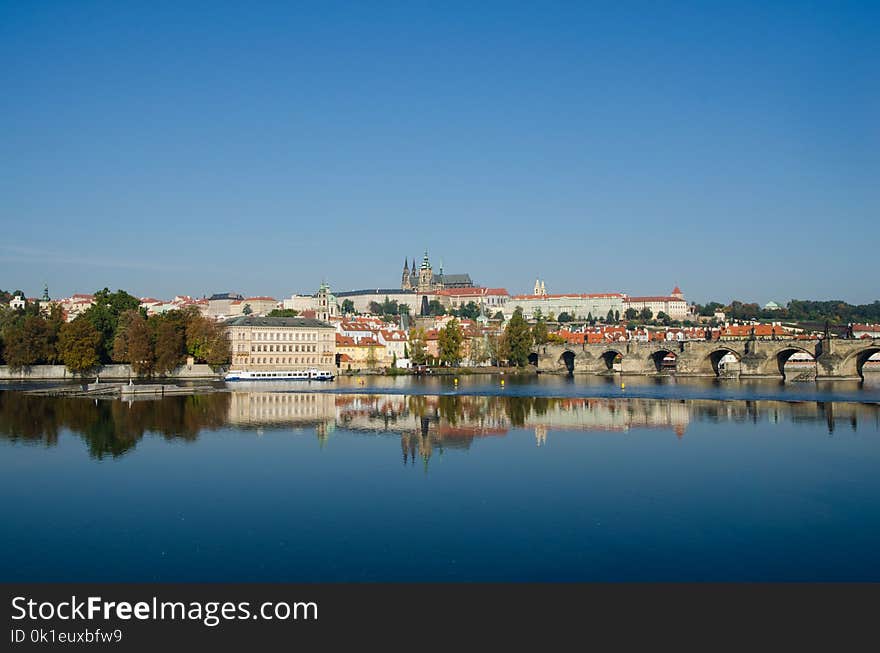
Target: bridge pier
{"points": [[835, 359]]}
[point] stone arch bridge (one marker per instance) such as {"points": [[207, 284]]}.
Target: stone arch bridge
{"points": [[828, 359]]}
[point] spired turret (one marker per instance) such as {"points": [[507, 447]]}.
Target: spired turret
{"points": [[406, 280]]}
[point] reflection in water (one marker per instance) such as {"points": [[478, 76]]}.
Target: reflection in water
{"points": [[109, 427], [423, 422]]}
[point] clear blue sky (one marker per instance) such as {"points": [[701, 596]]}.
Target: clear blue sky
{"points": [[731, 148]]}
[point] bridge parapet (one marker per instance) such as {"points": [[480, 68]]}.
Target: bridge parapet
{"points": [[753, 358]]}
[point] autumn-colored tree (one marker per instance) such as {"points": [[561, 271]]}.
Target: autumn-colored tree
{"points": [[140, 346], [54, 322], [26, 342], [79, 345], [207, 341], [371, 357], [169, 347]]}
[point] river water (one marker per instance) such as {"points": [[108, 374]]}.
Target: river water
{"points": [[379, 479]]}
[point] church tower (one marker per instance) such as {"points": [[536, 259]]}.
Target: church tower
{"points": [[540, 289], [426, 275], [405, 282], [326, 303]]}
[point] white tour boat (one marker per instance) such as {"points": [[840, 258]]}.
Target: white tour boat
{"points": [[281, 375]]}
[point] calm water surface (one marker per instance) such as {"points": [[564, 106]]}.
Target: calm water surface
{"points": [[396, 479]]}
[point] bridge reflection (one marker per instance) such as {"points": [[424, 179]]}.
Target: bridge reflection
{"points": [[422, 422]]}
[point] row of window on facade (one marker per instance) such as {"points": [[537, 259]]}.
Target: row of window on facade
{"points": [[284, 335], [280, 348], [287, 359]]}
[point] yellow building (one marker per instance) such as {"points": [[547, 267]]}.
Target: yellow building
{"points": [[281, 343], [367, 353]]}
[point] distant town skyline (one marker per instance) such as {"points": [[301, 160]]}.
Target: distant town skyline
{"points": [[731, 150], [64, 288]]}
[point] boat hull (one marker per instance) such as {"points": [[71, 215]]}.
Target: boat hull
{"points": [[294, 375]]}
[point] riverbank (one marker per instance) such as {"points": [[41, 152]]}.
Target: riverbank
{"points": [[108, 372]]}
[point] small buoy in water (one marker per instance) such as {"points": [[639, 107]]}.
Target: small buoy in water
{"points": [[456, 381], [623, 386], [502, 383]]}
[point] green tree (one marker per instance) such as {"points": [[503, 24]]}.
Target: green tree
{"points": [[247, 310], [631, 314], [390, 307], [498, 316], [663, 318], [449, 342], [616, 317], [418, 346], [518, 339], [708, 310], [564, 317], [104, 316], [539, 332], [79, 345], [470, 311], [347, 306], [436, 308], [497, 348], [282, 312], [610, 317], [646, 314]]}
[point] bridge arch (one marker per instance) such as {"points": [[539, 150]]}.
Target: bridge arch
{"points": [[613, 360], [718, 362], [664, 360], [566, 360], [784, 355], [854, 364]]}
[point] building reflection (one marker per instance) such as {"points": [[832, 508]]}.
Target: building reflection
{"points": [[427, 425], [263, 410]]}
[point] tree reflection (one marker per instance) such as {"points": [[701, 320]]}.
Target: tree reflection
{"points": [[109, 428], [425, 423]]}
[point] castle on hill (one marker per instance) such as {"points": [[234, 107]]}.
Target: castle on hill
{"points": [[423, 279]]}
